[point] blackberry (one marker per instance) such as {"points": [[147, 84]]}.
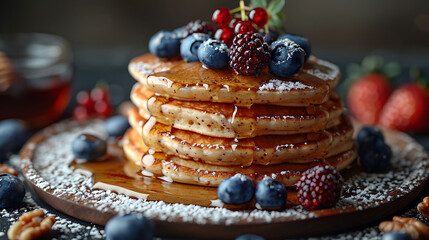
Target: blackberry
{"points": [[198, 26], [249, 54], [319, 187]]}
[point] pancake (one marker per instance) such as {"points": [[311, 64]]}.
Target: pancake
{"points": [[180, 80], [267, 149], [191, 172], [198, 173], [228, 121]]}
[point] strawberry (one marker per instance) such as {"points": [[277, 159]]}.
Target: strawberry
{"points": [[367, 96], [407, 109]]}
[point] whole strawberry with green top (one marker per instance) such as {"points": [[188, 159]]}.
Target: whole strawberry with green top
{"points": [[407, 109]]}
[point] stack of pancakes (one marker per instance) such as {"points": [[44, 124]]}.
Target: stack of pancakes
{"points": [[199, 126]]}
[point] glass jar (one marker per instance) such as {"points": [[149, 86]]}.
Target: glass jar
{"points": [[36, 72]]}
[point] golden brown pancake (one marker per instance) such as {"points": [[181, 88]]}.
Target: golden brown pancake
{"points": [[180, 80], [267, 149], [193, 172], [229, 121]]}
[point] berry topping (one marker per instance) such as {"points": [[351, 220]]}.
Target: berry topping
{"points": [[238, 189], [88, 147], [269, 37], [12, 191], [367, 96], [180, 32], [165, 44], [396, 236], [287, 58], [319, 187], [249, 54], [369, 134], [190, 45], [225, 35], [270, 193], [213, 54], [132, 226], [199, 26], [259, 17], [406, 109], [243, 27], [234, 22], [116, 126], [375, 155], [221, 17], [250, 237], [301, 41], [13, 135]]}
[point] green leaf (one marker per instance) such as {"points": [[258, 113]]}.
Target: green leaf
{"points": [[258, 3], [282, 16], [275, 22], [276, 6]]}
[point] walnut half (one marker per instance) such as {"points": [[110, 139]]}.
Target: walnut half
{"points": [[415, 228], [423, 207], [30, 226]]}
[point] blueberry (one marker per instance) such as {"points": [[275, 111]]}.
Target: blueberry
{"points": [[116, 126], [369, 134], [213, 54], [301, 41], [12, 134], [270, 37], [375, 156], [180, 32], [396, 236], [287, 58], [190, 45], [238, 189], [165, 44], [12, 191], [88, 147], [129, 227], [270, 193], [250, 237]]}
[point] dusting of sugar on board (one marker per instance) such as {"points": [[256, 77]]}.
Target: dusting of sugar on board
{"points": [[52, 173]]}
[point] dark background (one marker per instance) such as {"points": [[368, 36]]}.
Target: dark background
{"points": [[106, 34]]}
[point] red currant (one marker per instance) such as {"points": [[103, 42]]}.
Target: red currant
{"points": [[221, 17], [100, 94], [84, 99], [225, 35], [80, 113], [233, 22], [259, 16], [243, 27], [103, 108]]}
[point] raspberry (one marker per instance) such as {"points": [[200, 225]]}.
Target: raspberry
{"points": [[199, 26], [249, 54], [319, 187]]}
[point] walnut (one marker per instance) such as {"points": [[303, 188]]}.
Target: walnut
{"points": [[423, 207], [30, 226], [414, 228], [8, 170]]}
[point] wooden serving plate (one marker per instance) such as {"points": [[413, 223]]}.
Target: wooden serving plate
{"points": [[48, 167]]}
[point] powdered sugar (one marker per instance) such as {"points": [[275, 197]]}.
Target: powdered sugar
{"points": [[51, 172], [324, 70], [282, 85]]}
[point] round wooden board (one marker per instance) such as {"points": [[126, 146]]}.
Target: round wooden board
{"points": [[411, 162]]}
